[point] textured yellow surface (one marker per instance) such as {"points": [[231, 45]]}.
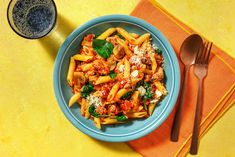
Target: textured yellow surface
{"points": [[214, 19], [31, 123]]}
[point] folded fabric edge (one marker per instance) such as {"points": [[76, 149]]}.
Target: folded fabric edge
{"points": [[218, 116], [220, 108], [182, 25]]}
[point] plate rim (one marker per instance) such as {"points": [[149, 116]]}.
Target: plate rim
{"points": [[110, 18]]}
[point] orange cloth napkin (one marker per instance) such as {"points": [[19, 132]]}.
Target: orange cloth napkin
{"points": [[219, 88]]}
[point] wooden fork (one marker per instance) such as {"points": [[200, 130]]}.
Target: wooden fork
{"points": [[200, 71]]}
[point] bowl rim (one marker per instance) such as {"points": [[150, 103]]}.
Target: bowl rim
{"points": [[175, 69]]}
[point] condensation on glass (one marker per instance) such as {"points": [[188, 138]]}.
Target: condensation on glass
{"points": [[32, 19]]}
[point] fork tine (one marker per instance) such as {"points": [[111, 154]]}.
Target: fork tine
{"points": [[203, 59], [209, 52]]}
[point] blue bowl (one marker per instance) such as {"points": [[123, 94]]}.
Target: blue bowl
{"points": [[133, 129]]}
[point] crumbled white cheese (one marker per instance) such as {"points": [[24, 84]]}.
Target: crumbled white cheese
{"points": [[142, 90], [138, 52], [121, 68], [158, 93], [154, 100], [96, 101], [154, 46], [135, 60], [135, 73]]}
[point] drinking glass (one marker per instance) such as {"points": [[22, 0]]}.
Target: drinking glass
{"points": [[32, 19]]}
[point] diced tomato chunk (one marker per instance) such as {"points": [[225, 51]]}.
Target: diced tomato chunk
{"points": [[126, 106]]}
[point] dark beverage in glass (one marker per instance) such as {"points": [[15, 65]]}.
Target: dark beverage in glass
{"points": [[32, 19]]}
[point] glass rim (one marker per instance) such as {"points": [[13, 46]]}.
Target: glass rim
{"points": [[24, 36]]}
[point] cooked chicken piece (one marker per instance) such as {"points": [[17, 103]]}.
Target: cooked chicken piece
{"points": [[158, 75], [147, 78], [159, 59], [146, 60], [79, 79], [101, 66], [119, 51], [113, 40], [112, 62]]}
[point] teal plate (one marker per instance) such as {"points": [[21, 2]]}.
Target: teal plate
{"points": [[134, 128]]}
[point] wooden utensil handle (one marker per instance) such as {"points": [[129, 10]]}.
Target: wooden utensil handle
{"points": [[197, 121], [177, 118]]}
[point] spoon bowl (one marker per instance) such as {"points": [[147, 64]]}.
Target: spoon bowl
{"points": [[190, 48]]}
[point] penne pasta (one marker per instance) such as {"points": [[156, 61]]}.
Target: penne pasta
{"points": [[124, 45], [142, 69], [135, 99], [92, 78], [160, 87], [110, 102], [154, 63], [83, 106], [103, 79], [113, 92], [107, 33], [87, 67], [137, 114], [144, 45], [151, 107], [141, 108], [125, 34], [116, 79], [87, 114], [97, 122], [134, 35], [82, 57], [141, 39], [120, 93], [110, 121], [72, 65], [127, 68], [74, 98], [135, 80]]}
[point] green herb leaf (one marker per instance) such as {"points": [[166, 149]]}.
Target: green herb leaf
{"points": [[97, 35], [120, 36], [93, 112], [140, 83], [121, 118], [158, 51], [87, 89], [148, 94], [145, 106], [127, 95], [112, 74], [102, 47], [146, 85]]}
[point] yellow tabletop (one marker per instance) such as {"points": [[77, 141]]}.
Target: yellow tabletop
{"points": [[31, 123]]}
